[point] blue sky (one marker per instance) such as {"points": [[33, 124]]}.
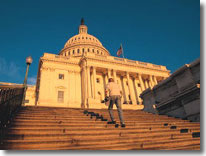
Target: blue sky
{"points": [[164, 32]]}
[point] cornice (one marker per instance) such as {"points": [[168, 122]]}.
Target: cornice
{"points": [[53, 69], [125, 64], [59, 61], [99, 59]]}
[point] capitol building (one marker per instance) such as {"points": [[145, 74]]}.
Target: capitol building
{"points": [[77, 76]]}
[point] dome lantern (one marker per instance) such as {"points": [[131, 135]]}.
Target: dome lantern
{"points": [[82, 27]]}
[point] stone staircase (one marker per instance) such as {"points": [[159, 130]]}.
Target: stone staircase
{"points": [[48, 128]]}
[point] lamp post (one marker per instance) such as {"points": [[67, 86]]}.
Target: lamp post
{"points": [[28, 62]]}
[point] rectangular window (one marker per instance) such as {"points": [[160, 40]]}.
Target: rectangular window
{"points": [[60, 96], [61, 76]]}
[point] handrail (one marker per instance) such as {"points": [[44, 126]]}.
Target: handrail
{"points": [[10, 101]]}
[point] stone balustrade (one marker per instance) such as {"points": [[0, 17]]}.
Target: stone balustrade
{"points": [[178, 95]]}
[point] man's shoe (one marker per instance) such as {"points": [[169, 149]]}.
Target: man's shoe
{"points": [[111, 122], [123, 125], [116, 125]]}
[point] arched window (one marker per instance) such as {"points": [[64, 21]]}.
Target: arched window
{"points": [[73, 51], [97, 51], [93, 50], [78, 51], [83, 50], [88, 49], [69, 53]]}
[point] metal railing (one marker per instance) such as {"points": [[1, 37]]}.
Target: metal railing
{"points": [[10, 101]]}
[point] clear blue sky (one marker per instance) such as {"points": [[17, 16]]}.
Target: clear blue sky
{"points": [[164, 32]]}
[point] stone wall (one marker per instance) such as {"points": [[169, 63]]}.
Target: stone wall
{"points": [[178, 95]]}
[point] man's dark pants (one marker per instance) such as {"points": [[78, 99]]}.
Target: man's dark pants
{"points": [[115, 99]]}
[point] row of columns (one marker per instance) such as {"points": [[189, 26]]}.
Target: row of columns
{"points": [[89, 85]]}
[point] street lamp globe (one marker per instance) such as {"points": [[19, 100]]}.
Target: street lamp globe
{"points": [[29, 60]]}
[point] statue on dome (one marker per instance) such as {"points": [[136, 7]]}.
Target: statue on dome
{"points": [[82, 21]]}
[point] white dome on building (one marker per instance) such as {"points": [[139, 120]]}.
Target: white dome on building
{"points": [[83, 43]]}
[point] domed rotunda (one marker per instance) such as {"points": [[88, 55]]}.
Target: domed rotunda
{"points": [[83, 43]]}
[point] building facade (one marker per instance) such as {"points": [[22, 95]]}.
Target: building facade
{"points": [[77, 76]]}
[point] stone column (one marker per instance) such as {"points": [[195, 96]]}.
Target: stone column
{"points": [[141, 82], [84, 83], [106, 79], [115, 76], [151, 81], [138, 93], [146, 84], [123, 90], [88, 82], [94, 83], [104, 83], [109, 73], [135, 89], [130, 89], [155, 80]]}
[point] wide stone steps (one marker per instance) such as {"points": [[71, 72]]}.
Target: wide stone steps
{"points": [[86, 117], [93, 144], [47, 128], [80, 116], [39, 137], [94, 138], [127, 132], [189, 147], [86, 126], [116, 145], [95, 130], [130, 118]]}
